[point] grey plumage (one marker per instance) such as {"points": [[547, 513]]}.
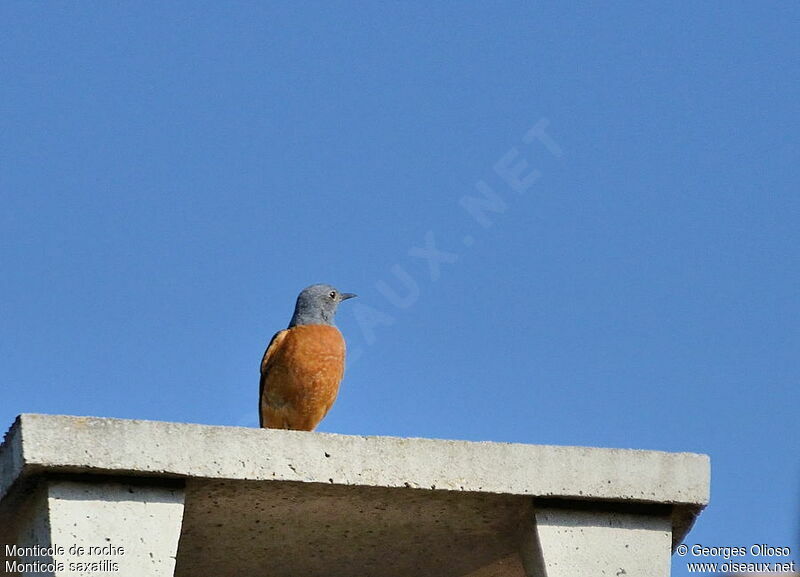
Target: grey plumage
{"points": [[316, 305]]}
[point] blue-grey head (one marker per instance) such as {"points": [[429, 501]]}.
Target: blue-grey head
{"points": [[316, 305]]}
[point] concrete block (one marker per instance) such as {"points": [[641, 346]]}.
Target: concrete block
{"points": [[569, 540], [279, 503], [150, 448], [93, 527]]}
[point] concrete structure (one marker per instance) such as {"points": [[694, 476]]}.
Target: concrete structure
{"points": [[159, 499]]}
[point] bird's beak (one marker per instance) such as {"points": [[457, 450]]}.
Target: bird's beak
{"points": [[345, 296]]}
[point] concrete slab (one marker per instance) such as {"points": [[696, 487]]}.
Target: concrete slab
{"points": [[266, 502], [289, 529], [150, 448]]}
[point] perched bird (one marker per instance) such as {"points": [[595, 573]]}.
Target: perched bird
{"points": [[304, 363]]}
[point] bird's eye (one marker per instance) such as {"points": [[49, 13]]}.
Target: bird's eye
{"points": [[332, 294]]}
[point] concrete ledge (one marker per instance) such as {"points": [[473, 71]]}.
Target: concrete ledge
{"points": [[390, 506], [147, 448]]}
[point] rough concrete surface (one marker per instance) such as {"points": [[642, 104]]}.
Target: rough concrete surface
{"points": [[128, 530], [568, 542], [117, 446], [290, 529], [241, 501]]}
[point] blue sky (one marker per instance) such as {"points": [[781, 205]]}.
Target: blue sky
{"points": [[172, 175]]}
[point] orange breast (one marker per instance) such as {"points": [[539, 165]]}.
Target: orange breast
{"points": [[301, 376]]}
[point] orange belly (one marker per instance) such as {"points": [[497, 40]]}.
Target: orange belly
{"points": [[301, 376]]}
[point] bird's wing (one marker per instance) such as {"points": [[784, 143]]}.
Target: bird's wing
{"points": [[273, 346]]}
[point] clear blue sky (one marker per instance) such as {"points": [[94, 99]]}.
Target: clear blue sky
{"points": [[172, 175]]}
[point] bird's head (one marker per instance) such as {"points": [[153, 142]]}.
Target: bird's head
{"points": [[316, 305]]}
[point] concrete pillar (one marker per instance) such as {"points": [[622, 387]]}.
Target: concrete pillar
{"points": [[96, 527], [288, 503], [581, 539]]}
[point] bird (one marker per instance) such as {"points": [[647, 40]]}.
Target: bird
{"points": [[304, 363]]}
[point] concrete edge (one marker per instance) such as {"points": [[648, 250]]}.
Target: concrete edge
{"points": [[683, 519], [11, 457], [68, 444]]}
